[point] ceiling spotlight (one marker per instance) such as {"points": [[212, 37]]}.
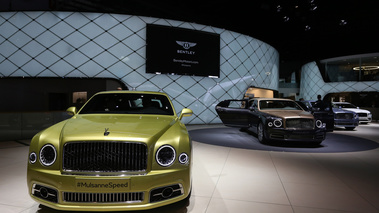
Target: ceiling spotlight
{"points": [[278, 8], [343, 22], [366, 68], [286, 18], [313, 7], [307, 28]]}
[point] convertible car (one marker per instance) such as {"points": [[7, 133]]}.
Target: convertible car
{"points": [[272, 119], [122, 150]]}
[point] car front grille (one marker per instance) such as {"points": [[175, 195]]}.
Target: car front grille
{"points": [[123, 197], [300, 123], [104, 156], [344, 116], [362, 114]]}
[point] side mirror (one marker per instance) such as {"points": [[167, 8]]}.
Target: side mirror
{"points": [[185, 113], [72, 111], [252, 107]]}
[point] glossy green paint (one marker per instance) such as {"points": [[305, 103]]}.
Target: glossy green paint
{"points": [[152, 130]]}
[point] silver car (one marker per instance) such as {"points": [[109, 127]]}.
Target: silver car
{"points": [[365, 116]]}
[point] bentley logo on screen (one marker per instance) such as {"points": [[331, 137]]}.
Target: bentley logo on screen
{"points": [[181, 51], [185, 44]]}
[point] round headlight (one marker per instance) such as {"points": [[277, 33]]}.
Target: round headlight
{"points": [[319, 124], [32, 157], [47, 155], [165, 155], [183, 158], [278, 123]]}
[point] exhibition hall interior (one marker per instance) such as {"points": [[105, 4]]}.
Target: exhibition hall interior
{"points": [[189, 106]]}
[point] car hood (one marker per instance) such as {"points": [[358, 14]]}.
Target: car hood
{"points": [[357, 110], [289, 113], [339, 110], [140, 128]]}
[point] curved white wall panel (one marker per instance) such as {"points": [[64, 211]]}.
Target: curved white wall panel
{"points": [[312, 84], [92, 45]]}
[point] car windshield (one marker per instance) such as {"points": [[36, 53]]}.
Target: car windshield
{"points": [[344, 105], [127, 103], [279, 104]]}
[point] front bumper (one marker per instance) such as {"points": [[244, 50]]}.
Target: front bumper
{"points": [[108, 193], [345, 123], [365, 119], [296, 135]]}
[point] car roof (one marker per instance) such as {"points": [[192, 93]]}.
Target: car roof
{"points": [[280, 99], [131, 92]]}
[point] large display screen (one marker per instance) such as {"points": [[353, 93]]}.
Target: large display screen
{"points": [[182, 51]]}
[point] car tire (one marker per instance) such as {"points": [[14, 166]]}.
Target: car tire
{"points": [[261, 133]]}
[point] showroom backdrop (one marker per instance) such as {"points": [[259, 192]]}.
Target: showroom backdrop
{"points": [[98, 45], [312, 84]]}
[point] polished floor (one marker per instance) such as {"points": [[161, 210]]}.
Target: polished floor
{"points": [[229, 179]]}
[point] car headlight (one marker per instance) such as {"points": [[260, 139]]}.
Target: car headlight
{"points": [[183, 158], [356, 116], [32, 157], [165, 155], [277, 123], [47, 155], [319, 124]]}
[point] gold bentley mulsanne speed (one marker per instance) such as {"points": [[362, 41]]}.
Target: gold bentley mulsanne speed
{"points": [[122, 150], [272, 119]]}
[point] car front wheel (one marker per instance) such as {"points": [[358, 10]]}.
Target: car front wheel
{"points": [[261, 133]]}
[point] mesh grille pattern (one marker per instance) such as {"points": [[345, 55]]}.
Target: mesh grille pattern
{"points": [[104, 157], [344, 116], [79, 197], [300, 123]]}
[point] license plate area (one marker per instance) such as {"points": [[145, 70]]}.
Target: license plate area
{"points": [[101, 184]]}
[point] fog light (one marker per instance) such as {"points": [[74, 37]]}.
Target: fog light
{"points": [[167, 192]]}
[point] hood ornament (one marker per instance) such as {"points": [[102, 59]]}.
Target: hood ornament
{"points": [[106, 133]]}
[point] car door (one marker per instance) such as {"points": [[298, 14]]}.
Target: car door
{"points": [[233, 113], [326, 116]]}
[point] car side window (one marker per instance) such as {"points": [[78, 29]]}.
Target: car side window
{"points": [[237, 104]]}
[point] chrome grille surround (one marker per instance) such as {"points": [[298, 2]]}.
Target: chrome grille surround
{"points": [[299, 123], [121, 197], [104, 156]]}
